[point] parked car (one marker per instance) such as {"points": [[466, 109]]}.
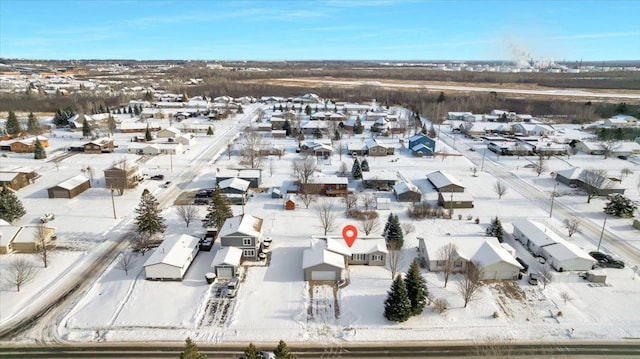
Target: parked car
{"points": [[47, 217], [157, 177], [534, 278], [606, 260], [206, 244], [166, 184], [232, 287], [529, 165], [525, 266], [204, 193], [201, 201]]}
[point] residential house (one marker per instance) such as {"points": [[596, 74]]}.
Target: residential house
{"points": [[154, 149], [226, 262], [7, 234], [533, 129], [565, 256], [172, 259], [407, 192], [100, 145], [235, 189], [621, 121], [29, 239], [453, 200], [626, 148], [578, 177], [364, 250], [27, 145], [244, 232], [253, 176], [17, 178], [123, 175], [457, 116], [444, 182], [379, 180], [326, 185], [70, 188], [357, 148], [169, 132], [320, 264], [495, 261], [570, 176], [376, 149], [138, 127], [422, 145]]}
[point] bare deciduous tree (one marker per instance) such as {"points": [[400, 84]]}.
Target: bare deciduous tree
{"points": [[500, 188], [394, 257], [326, 214], [447, 254], [608, 148], [303, 168], [40, 238], [368, 200], [187, 213], [540, 166], [251, 149], [408, 227], [474, 171], [369, 222], [469, 285], [19, 272], [571, 224], [593, 181], [343, 171], [351, 200], [440, 305], [306, 197], [624, 173], [340, 148], [126, 260], [228, 150], [565, 297], [545, 275]]}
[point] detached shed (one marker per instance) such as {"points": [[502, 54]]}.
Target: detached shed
{"points": [[290, 203], [70, 188], [226, 262], [444, 182], [566, 256]]}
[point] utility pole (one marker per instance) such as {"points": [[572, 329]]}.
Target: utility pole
{"points": [[113, 204], [553, 197], [482, 165], [602, 233]]}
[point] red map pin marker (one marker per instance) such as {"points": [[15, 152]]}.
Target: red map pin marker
{"points": [[349, 233]]}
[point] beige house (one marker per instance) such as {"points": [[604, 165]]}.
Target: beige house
{"points": [[24, 239]]}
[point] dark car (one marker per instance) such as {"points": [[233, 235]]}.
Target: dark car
{"points": [[598, 255], [157, 177], [206, 244], [525, 266], [606, 260], [204, 193], [201, 201], [533, 279]]}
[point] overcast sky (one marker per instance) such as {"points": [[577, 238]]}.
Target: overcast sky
{"points": [[321, 30]]}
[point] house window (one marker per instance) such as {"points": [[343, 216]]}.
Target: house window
{"points": [[359, 257], [246, 241], [376, 257], [439, 263], [457, 264], [248, 252]]}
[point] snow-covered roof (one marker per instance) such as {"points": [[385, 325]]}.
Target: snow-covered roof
{"points": [[379, 175], [563, 250], [174, 251], [490, 253], [466, 247], [171, 129], [404, 187], [442, 179], [7, 233], [73, 182], [227, 256], [245, 223], [362, 245], [328, 180], [317, 254], [570, 173], [536, 232], [235, 183]]}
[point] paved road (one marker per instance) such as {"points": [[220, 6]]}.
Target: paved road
{"points": [[39, 321], [375, 350]]}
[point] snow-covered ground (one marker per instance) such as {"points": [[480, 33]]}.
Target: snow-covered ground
{"points": [[274, 302]]}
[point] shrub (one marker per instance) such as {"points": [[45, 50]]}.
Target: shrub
{"points": [[440, 304], [559, 314], [459, 217], [477, 220], [495, 315], [469, 217]]}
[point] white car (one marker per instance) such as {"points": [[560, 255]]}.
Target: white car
{"points": [[47, 217]]}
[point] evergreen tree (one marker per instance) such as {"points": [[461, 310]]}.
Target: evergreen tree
{"points": [[394, 232], [130, 111], [280, 108], [219, 209], [274, 108], [356, 170], [147, 134], [10, 205], [136, 110], [282, 352], [12, 125], [148, 96], [111, 124], [148, 218], [119, 112], [432, 132], [191, 351], [252, 352], [307, 110], [287, 127], [33, 126], [358, 128], [336, 135], [86, 129], [365, 165], [101, 109], [441, 97], [38, 150], [620, 206], [387, 225], [416, 289], [240, 110], [210, 131], [397, 307], [495, 229]]}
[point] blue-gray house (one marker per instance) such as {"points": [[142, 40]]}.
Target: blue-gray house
{"points": [[422, 145]]}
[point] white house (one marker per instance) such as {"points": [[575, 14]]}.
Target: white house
{"points": [[226, 262], [168, 132], [534, 235], [565, 256], [171, 260], [319, 263], [496, 262]]}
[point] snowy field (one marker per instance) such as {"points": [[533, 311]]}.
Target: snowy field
{"points": [[274, 302]]}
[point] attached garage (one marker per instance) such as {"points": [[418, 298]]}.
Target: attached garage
{"points": [[226, 262], [70, 188], [496, 263], [319, 263], [171, 260]]}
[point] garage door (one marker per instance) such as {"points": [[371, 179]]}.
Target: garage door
{"points": [[490, 275], [507, 275], [323, 275], [59, 193], [224, 272]]}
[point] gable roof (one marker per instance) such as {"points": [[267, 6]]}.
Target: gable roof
{"points": [[536, 232], [489, 254], [442, 179], [404, 187], [73, 182], [245, 224], [317, 254], [174, 251], [563, 250], [363, 245], [227, 256], [235, 183]]}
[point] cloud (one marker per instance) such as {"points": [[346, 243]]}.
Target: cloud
{"points": [[602, 35]]}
